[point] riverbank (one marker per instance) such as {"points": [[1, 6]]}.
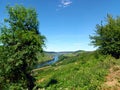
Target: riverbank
{"points": [[44, 57], [86, 71], [49, 62]]}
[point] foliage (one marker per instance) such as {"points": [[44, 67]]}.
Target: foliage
{"points": [[86, 71], [107, 37], [21, 43], [44, 57]]}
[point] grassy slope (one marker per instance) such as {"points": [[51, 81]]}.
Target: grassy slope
{"points": [[85, 71], [44, 57]]}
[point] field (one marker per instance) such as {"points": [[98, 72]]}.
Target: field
{"points": [[82, 71]]}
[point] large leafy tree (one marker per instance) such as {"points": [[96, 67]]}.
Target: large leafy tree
{"points": [[107, 36], [21, 42]]}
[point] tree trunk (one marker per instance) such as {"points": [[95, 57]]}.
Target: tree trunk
{"points": [[30, 81]]}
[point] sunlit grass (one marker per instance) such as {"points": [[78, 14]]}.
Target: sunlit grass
{"points": [[86, 71]]}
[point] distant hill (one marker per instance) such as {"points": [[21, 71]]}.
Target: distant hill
{"points": [[50, 52], [64, 52]]}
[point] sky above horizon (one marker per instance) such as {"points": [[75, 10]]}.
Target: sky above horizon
{"points": [[67, 24]]}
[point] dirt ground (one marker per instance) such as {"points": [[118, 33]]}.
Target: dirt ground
{"points": [[112, 79]]}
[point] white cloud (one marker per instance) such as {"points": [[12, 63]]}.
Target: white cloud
{"points": [[64, 3]]}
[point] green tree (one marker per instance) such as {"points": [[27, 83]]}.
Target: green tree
{"points": [[21, 43], [107, 36]]}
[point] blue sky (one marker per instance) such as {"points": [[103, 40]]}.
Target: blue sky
{"points": [[67, 24]]}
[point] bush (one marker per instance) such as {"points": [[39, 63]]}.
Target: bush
{"points": [[107, 37]]}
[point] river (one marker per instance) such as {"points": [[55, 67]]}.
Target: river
{"points": [[54, 60]]}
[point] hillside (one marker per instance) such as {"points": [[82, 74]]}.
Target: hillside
{"points": [[45, 57], [82, 71]]}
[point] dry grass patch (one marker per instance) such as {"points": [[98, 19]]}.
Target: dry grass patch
{"points": [[112, 79]]}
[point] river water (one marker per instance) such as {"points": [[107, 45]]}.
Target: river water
{"points": [[54, 60]]}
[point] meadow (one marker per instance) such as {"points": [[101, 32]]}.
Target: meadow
{"points": [[82, 71]]}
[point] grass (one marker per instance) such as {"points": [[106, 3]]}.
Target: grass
{"points": [[85, 71], [44, 57]]}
